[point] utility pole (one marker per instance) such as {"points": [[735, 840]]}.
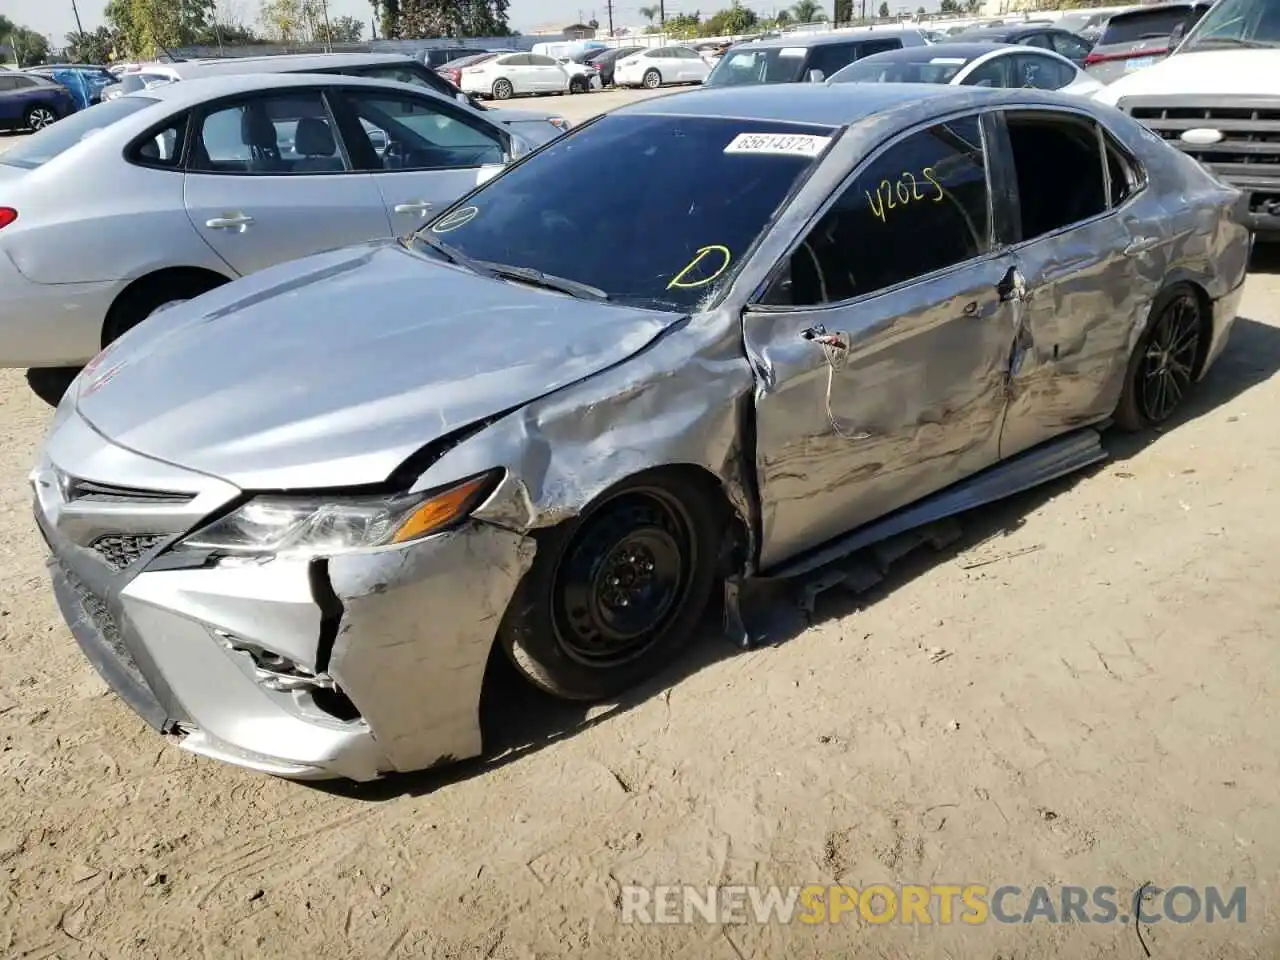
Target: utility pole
{"points": [[608, 8], [662, 14], [328, 31], [76, 11]]}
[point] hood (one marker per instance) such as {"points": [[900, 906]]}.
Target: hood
{"points": [[330, 371], [1231, 73]]}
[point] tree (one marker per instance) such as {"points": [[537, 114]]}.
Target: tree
{"points": [[884, 11], [29, 48], [949, 6], [684, 25], [973, 6], [737, 19], [806, 11], [92, 46], [346, 29], [649, 13], [920, 11], [843, 11], [147, 28]]}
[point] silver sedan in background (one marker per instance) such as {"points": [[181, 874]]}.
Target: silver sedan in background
{"points": [[291, 520], [156, 197]]}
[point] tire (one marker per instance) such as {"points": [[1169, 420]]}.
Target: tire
{"points": [[503, 90], [147, 299], [38, 117], [578, 85], [652, 79], [571, 629], [1164, 365]]}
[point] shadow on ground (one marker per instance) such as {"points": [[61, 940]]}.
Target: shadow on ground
{"points": [[518, 720]]}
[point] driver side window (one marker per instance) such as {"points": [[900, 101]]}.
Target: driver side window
{"points": [[920, 206], [406, 133]]}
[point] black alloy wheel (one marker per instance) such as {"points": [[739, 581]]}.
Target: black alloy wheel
{"points": [[1169, 358]]}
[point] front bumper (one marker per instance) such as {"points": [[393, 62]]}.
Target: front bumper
{"points": [[50, 324], [403, 633]]}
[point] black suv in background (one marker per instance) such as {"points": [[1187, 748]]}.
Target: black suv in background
{"points": [[805, 59]]}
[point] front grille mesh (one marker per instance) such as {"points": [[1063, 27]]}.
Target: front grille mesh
{"points": [[97, 613], [121, 551]]}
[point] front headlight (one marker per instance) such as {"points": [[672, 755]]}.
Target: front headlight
{"points": [[327, 525]]}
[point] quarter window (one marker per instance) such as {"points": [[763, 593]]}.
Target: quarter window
{"points": [[993, 73], [1059, 165], [831, 57], [1070, 47], [163, 148], [920, 206]]}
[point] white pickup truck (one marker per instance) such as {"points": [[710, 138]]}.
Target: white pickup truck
{"points": [[1217, 98]]}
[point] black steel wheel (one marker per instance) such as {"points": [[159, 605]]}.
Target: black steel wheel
{"points": [[1164, 366], [615, 594], [622, 577]]}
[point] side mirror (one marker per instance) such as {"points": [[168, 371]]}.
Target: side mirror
{"points": [[816, 76], [1176, 36]]}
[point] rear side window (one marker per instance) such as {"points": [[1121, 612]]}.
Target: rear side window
{"points": [[40, 148], [1059, 168], [1143, 25], [831, 57], [922, 205]]}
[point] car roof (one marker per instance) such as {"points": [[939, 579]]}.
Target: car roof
{"points": [[832, 106], [821, 39], [283, 63], [186, 93], [967, 50]]}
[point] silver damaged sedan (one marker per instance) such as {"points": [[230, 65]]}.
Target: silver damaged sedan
{"points": [[290, 520]]}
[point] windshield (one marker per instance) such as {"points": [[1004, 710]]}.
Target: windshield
{"points": [[893, 69], [40, 148], [709, 189], [1237, 23], [771, 65]]}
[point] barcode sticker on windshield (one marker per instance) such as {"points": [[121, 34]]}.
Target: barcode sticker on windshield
{"points": [[786, 144]]}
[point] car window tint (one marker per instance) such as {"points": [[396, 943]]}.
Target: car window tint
{"points": [[1069, 46], [921, 205], [710, 190], [163, 148], [8, 83], [993, 73], [39, 148], [831, 57], [1035, 72], [1059, 170], [1142, 25], [408, 133], [283, 134], [1037, 40], [872, 47]]}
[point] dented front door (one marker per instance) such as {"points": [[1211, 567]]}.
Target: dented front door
{"points": [[867, 407]]}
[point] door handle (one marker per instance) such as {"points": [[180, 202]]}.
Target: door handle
{"points": [[419, 207], [1140, 245], [237, 222], [818, 334]]}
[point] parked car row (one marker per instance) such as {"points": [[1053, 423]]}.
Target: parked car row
{"points": [[293, 519]]}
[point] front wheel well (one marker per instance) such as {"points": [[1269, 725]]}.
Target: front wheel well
{"points": [[1206, 323], [194, 280]]}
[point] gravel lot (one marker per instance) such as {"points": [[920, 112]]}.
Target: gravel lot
{"points": [[1107, 715]]}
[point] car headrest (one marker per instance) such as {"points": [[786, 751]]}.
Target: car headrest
{"points": [[257, 130], [313, 138]]}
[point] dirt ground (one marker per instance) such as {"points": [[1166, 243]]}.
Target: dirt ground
{"points": [[1106, 713]]}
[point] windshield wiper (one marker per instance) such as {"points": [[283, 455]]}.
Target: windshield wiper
{"points": [[446, 251], [537, 278]]}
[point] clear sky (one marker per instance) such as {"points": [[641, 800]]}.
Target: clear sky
{"points": [[55, 17]]}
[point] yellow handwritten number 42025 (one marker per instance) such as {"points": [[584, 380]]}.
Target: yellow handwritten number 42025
{"points": [[905, 190]]}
